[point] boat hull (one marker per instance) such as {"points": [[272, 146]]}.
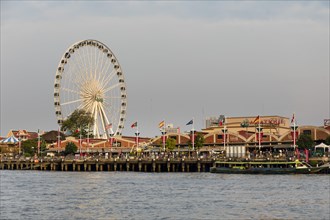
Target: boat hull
{"points": [[265, 170]]}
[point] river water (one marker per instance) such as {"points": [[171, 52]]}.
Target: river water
{"points": [[132, 195]]}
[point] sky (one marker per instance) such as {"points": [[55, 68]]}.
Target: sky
{"points": [[181, 59]]}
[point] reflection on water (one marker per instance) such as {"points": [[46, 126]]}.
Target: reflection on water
{"points": [[129, 195]]}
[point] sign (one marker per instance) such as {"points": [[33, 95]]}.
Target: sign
{"points": [[271, 121]]}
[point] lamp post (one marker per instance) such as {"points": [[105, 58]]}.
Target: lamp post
{"points": [[137, 133], [80, 135], [294, 128], [224, 131], [163, 137], [39, 152], [260, 134], [19, 145], [111, 143]]}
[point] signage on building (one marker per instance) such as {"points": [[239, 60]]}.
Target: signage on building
{"points": [[271, 121]]}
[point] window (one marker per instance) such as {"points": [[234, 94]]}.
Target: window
{"points": [[307, 132]]}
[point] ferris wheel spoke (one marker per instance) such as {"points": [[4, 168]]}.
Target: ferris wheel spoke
{"points": [[102, 63], [106, 81], [70, 90], [104, 120], [95, 129], [111, 87], [83, 63], [104, 115], [80, 74], [71, 102], [107, 77], [114, 97]]}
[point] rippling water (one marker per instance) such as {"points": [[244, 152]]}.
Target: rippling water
{"points": [[129, 195]]}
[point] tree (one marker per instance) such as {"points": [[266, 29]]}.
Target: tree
{"points": [[305, 141], [199, 142], [30, 147], [170, 144], [70, 148], [327, 140], [78, 123]]}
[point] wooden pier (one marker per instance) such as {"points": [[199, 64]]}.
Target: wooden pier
{"points": [[111, 165]]}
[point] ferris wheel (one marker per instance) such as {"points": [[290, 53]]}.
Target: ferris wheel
{"points": [[89, 77]]}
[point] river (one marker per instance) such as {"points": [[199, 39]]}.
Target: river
{"points": [[132, 195]]}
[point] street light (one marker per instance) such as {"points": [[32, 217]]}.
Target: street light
{"points": [[111, 143], [137, 139], [224, 131], [163, 137]]}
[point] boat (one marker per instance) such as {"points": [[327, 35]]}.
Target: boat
{"points": [[266, 167]]}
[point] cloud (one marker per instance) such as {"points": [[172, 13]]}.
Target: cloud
{"points": [[191, 60]]}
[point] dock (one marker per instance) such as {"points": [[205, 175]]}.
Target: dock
{"points": [[112, 165]]}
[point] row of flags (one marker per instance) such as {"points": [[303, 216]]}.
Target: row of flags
{"points": [[257, 119], [221, 121], [162, 124]]}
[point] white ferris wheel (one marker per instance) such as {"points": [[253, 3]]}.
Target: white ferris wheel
{"points": [[89, 77]]}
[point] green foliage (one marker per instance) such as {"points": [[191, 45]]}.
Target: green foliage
{"points": [[170, 144], [30, 147], [70, 148], [199, 142], [327, 140], [305, 142], [245, 123], [78, 123]]}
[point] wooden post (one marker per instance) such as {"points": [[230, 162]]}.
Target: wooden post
{"points": [[140, 166], [154, 166]]}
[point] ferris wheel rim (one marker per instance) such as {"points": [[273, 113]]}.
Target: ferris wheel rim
{"points": [[99, 108]]}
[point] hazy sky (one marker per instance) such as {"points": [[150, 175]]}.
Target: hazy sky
{"points": [[180, 59]]}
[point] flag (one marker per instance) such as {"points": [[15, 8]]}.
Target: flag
{"points": [[161, 124], [108, 126], [190, 122], [222, 119], [293, 118], [134, 125], [257, 120]]}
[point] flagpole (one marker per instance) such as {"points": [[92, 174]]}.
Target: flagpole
{"points": [[164, 133], [294, 132], [38, 142], [193, 135], [80, 141], [88, 140], [224, 137], [137, 135], [58, 140], [259, 134]]}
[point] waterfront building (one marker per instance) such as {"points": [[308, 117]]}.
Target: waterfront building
{"points": [[23, 134]]}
